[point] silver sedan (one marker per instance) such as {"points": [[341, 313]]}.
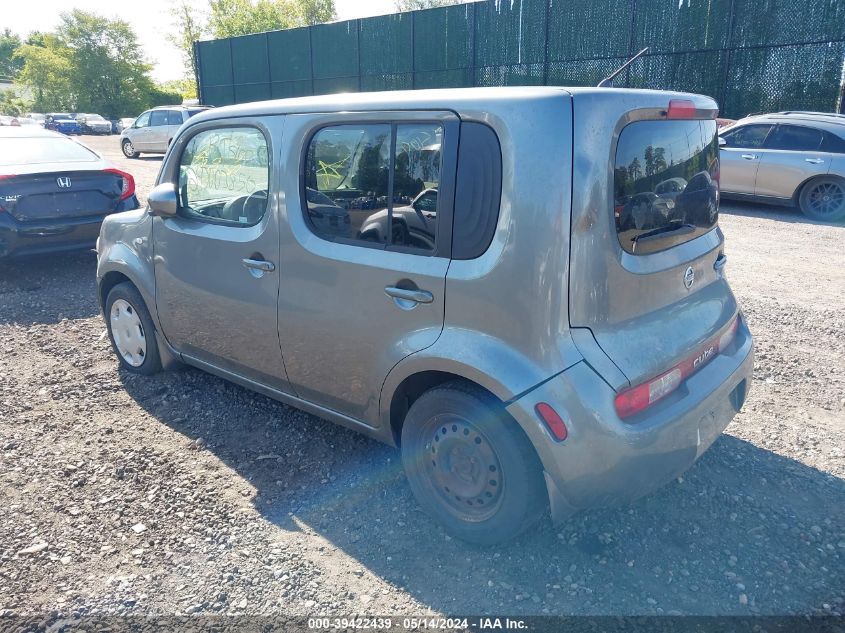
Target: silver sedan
{"points": [[789, 159]]}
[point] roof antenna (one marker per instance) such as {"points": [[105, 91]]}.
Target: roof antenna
{"points": [[607, 82]]}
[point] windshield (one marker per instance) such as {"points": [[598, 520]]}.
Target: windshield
{"points": [[47, 149], [666, 183]]}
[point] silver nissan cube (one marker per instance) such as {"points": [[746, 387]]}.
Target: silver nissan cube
{"points": [[522, 288]]}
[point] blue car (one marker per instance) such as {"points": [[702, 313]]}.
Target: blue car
{"points": [[64, 123]]}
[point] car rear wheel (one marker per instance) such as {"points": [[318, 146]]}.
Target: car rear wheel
{"points": [[470, 465], [128, 149], [131, 330], [824, 199]]}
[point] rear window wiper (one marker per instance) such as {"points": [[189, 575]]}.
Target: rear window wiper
{"points": [[663, 231]]}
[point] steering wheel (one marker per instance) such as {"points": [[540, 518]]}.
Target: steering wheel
{"points": [[239, 207]]}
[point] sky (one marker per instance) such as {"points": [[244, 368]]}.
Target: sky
{"points": [[151, 21]]}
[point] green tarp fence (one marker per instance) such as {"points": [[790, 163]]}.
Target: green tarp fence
{"points": [[751, 55]]}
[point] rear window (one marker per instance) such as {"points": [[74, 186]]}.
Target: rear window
{"points": [[35, 150], [666, 183]]}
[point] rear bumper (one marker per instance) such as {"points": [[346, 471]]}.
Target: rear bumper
{"points": [[604, 460], [19, 239]]}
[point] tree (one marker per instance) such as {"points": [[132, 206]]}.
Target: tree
{"points": [[46, 67], [316, 11], [241, 17], [11, 104], [415, 5], [189, 27], [184, 88], [10, 65], [229, 18], [109, 74]]}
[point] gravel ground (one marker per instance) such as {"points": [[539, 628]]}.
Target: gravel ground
{"points": [[182, 493]]}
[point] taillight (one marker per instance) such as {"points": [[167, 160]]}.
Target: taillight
{"points": [[680, 109], [552, 420], [128, 184], [636, 399], [4, 177]]}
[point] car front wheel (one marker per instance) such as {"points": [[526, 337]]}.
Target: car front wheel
{"points": [[824, 199], [128, 149], [470, 465], [131, 330]]}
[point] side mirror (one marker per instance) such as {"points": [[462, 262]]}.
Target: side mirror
{"points": [[722, 142], [162, 200]]}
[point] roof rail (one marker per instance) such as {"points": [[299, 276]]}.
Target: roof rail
{"points": [[807, 112]]}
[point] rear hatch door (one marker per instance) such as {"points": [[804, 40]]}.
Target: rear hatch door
{"points": [[646, 278]]}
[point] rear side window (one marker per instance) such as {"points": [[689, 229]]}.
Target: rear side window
{"points": [[832, 143], [224, 176], [795, 137], [478, 191], [666, 183], [375, 183]]}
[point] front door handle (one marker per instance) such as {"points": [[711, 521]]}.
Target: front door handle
{"points": [[259, 264], [814, 161], [416, 296], [750, 156]]}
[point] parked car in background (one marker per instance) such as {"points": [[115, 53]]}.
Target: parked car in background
{"points": [[413, 225], [527, 350], [93, 124], [63, 122], [65, 126], [37, 117], [153, 130], [6, 120], [22, 120], [122, 124], [55, 192], [788, 159], [324, 212]]}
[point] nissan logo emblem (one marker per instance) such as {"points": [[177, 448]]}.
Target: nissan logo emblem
{"points": [[63, 182], [689, 278]]}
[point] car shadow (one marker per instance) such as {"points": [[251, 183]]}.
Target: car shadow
{"points": [[790, 215], [744, 531], [48, 288]]}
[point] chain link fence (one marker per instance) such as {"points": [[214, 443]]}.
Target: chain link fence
{"points": [[751, 55]]}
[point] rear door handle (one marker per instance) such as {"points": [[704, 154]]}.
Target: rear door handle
{"points": [[720, 263], [417, 296], [259, 264], [814, 161], [750, 156]]}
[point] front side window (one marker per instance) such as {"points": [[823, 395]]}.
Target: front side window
{"points": [[747, 136], [143, 120], [795, 137], [666, 183], [362, 183], [224, 176]]}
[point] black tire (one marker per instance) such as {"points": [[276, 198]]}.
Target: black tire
{"points": [[460, 435], [823, 199], [128, 149], [151, 362]]}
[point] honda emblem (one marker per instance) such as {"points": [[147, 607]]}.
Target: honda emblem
{"points": [[63, 182]]}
